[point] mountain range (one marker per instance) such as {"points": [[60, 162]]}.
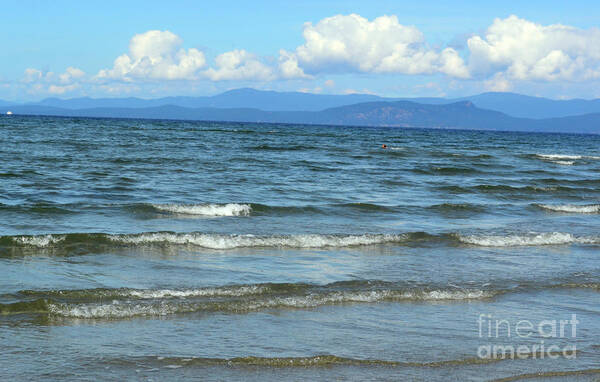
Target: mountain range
{"points": [[487, 111]]}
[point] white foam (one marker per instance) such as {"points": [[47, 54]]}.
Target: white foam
{"points": [[201, 292], [216, 241], [564, 162], [38, 240], [229, 209], [546, 238], [581, 209], [453, 295], [124, 309], [558, 156], [116, 309]]}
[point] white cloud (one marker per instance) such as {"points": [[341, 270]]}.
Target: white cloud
{"points": [[512, 53], [71, 74], [498, 83], [316, 90], [354, 91], [239, 65], [522, 50], [351, 43], [57, 89], [288, 66], [156, 55], [32, 75], [38, 82]]}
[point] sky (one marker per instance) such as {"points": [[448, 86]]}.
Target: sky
{"points": [[151, 49]]}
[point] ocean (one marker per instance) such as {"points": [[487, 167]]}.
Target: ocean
{"points": [[170, 250]]}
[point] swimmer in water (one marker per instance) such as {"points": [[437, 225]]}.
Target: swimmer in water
{"points": [[384, 146]]}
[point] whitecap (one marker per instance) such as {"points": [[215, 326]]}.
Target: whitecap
{"points": [[558, 156], [229, 209], [218, 241], [38, 240], [582, 209], [126, 309], [546, 238]]}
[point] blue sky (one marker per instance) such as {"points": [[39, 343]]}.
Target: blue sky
{"points": [[394, 48]]}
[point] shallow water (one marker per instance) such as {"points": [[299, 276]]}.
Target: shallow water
{"points": [[166, 250]]}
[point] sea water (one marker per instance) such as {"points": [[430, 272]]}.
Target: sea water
{"points": [[170, 250]]}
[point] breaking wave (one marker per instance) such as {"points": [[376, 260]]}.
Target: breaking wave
{"points": [[323, 360], [563, 159], [531, 239], [204, 240], [88, 241], [121, 309], [124, 303], [574, 208], [229, 209]]}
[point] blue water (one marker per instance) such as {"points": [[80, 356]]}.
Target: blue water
{"points": [[167, 250]]}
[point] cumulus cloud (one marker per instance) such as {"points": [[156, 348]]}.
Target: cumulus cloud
{"points": [[498, 83], [239, 65], [288, 66], [70, 75], [39, 82], [352, 43], [511, 53], [58, 89], [518, 49], [156, 55], [32, 75]]}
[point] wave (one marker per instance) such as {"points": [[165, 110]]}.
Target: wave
{"points": [[492, 188], [124, 309], [446, 171], [547, 375], [153, 210], [366, 207], [33, 240], [325, 360], [229, 209], [557, 156], [121, 303], [517, 190], [88, 241], [322, 360], [562, 156], [38, 208], [119, 309], [563, 159], [457, 207], [564, 162], [574, 208], [531, 239], [124, 303], [267, 147], [204, 240]]}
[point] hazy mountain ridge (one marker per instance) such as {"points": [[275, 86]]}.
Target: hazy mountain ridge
{"points": [[237, 98], [458, 115], [515, 105]]}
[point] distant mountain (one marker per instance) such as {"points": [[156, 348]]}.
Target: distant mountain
{"points": [[5, 103], [458, 115], [515, 105], [524, 106], [238, 98], [285, 101]]}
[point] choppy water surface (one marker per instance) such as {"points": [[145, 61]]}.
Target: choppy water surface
{"points": [[162, 250]]}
